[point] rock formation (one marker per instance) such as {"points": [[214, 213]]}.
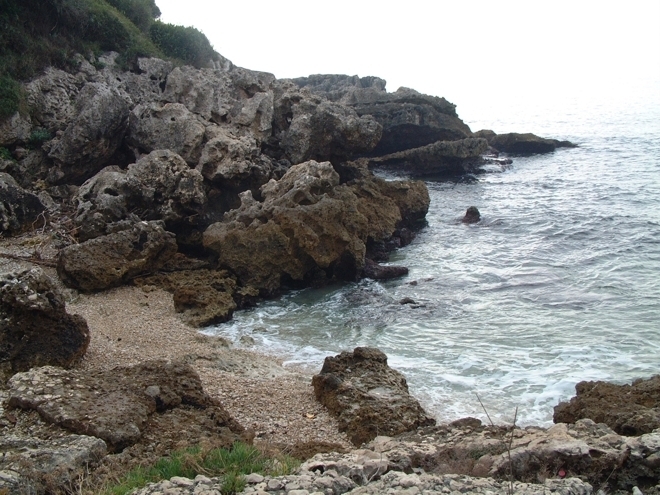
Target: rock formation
{"points": [[19, 208], [367, 396], [35, 329], [522, 144], [627, 409]]}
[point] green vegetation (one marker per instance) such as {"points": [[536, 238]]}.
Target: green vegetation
{"points": [[231, 465], [38, 137], [5, 154], [35, 34]]}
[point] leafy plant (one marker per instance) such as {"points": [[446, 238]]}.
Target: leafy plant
{"points": [[5, 154], [185, 43], [141, 12], [38, 137], [10, 96]]}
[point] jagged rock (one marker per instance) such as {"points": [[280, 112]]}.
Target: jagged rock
{"points": [[234, 162], [19, 209], [442, 158], [15, 129], [523, 144], [93, 134], [52, 99], [409, 119], [35, 329], [238, 97], [36, 465], [324, 130], [160, 186], [380, 272], [114, 259], [114, 405], [307, 223], [204, 297], [172, 126], [627, 409], [472, 215], [367, 396]]}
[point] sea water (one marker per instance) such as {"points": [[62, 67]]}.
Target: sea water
{"points": [[558, 283]]}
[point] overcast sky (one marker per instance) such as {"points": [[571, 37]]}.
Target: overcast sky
{"points": [[462, 50]]}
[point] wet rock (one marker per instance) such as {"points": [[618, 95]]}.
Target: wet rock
{"points": [[367, 396], [35, 329], [172, 126], [19, 209], [114, 259], [115, 405], [160, 186], [627, 409], [523, 144], [93, 134], [472, 215], [381, 272], [442, 158]]}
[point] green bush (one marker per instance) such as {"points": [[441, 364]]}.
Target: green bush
{"points": [[38, 137], [10, 96], [141, 12], [184, 43], [5, 154]]}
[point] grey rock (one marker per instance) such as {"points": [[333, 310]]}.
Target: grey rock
{"points": [[35, 329], [114, 259], [19, 209], [15, 129], [522, 144], [52, 98]]}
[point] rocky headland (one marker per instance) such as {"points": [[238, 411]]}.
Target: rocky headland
{"points": [[138, 205]]}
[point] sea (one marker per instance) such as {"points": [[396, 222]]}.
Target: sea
{"points": [[558, 283]]}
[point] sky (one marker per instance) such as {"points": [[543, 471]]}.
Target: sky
{"points": [[470, 52]]}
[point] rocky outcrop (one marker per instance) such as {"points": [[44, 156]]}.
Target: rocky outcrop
{"points": [[472, 215], [19, 209], [116, 405], [382, 272], [92, 136], [160, 186], [367, 396], [442, 158], [308, 225], [522, 144], [35, 329], [52, 99], [116, 258], [627, 409]]}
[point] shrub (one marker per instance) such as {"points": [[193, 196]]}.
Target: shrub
{"points": [[141, 12], [10, 96], [5, 154], [38, 137], [185, 43]]}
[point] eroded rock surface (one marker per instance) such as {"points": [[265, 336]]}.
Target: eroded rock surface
{"points": [[35, 329], [116, 405], [19, 209], [367, 396], [522, 144], [116, 258], [627, 409]]}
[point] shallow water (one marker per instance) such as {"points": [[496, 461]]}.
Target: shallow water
{"points": [[559, 282]]}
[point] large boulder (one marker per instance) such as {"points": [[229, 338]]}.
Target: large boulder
{"points": [[160, 186], [409, 119], [115, 405], [52, 99], [308, 226], [19, 209], [628, 409], [116, 258], [367, 396], [172, 126], [15, 129], [93, 134], [35, 329], [522, 144], [442, 158]]}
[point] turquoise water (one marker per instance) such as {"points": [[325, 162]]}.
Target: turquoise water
{"points": [[559, 282]]}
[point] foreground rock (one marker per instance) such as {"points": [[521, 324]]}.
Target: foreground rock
{"points": [[35, 329], [627, 409], [114, 259], [367, 396], [522, 144], [119, 405], [19, 209], [310, 227]]}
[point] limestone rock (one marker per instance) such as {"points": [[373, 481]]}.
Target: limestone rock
{"points": [[52, 99], [442, 158], [160, 186], [381, 272], [522, 144], [19, 209], [114, 259], [15, 129], [113, 405], [627, 409], [172, 126], [367, 396], [93, 134], [35, 329]]}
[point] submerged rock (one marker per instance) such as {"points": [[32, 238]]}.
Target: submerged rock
{"points": [[367, 396], [472, 215], [35, 329]]}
